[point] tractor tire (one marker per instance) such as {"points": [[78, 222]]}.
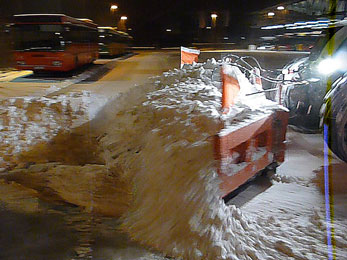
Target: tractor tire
{"points": [[335, 118], [338, 138]]}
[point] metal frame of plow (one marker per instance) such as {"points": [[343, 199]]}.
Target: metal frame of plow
{"points": [[268, 133]]}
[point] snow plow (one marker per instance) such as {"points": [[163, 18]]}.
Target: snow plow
{"points": [[256, 144]]}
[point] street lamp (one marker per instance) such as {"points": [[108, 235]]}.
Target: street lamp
{"points": [[280, 7], [270, 14], [113, 8], [214, 20], [121, 23]]}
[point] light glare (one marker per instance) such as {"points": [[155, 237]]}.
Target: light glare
{"points": [[328, 66], [114, 7]]}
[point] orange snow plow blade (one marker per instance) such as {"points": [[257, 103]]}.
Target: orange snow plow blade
{"points": [[248, 149], [230, 90]]}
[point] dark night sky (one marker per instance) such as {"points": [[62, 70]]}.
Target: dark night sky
{"points": [[149, 11], [146, 17], [150, 17], [138, 11]]}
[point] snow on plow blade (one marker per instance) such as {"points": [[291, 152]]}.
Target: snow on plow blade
{"points": [[250, 148]]}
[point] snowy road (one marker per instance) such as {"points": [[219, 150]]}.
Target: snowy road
{"points": [[122, 74], [296, 195], [118, 76], [291, 201]]}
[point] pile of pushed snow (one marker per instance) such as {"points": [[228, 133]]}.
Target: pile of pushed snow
{"points": [[162, 146], [26, 121], [156, 142]]}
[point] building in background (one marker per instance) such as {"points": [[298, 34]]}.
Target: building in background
{"points": [[295, 25], [173, 23]]}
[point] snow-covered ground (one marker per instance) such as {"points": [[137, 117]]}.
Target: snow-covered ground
{"points": [[27, 121], [215, 231], [295, 196], [159, 168]]}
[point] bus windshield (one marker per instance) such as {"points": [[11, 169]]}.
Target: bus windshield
{"points": [[38, 37]]}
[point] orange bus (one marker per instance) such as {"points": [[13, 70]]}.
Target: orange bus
{"points": [[113, 42], [53, 42]]}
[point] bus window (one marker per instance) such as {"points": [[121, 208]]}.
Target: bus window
{"points": [[37, 37], [80, 34]]}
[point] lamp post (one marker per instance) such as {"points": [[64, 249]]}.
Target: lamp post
{"points": [[213, 26], [122, 23], [113, 8], [214, 20]]}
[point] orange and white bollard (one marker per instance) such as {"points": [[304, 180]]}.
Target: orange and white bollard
{"points": [[230, 90]]}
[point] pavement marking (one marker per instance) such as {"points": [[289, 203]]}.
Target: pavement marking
{"points": [[15, 74]]}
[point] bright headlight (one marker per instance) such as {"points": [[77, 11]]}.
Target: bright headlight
{"points": [[329, 65]]}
